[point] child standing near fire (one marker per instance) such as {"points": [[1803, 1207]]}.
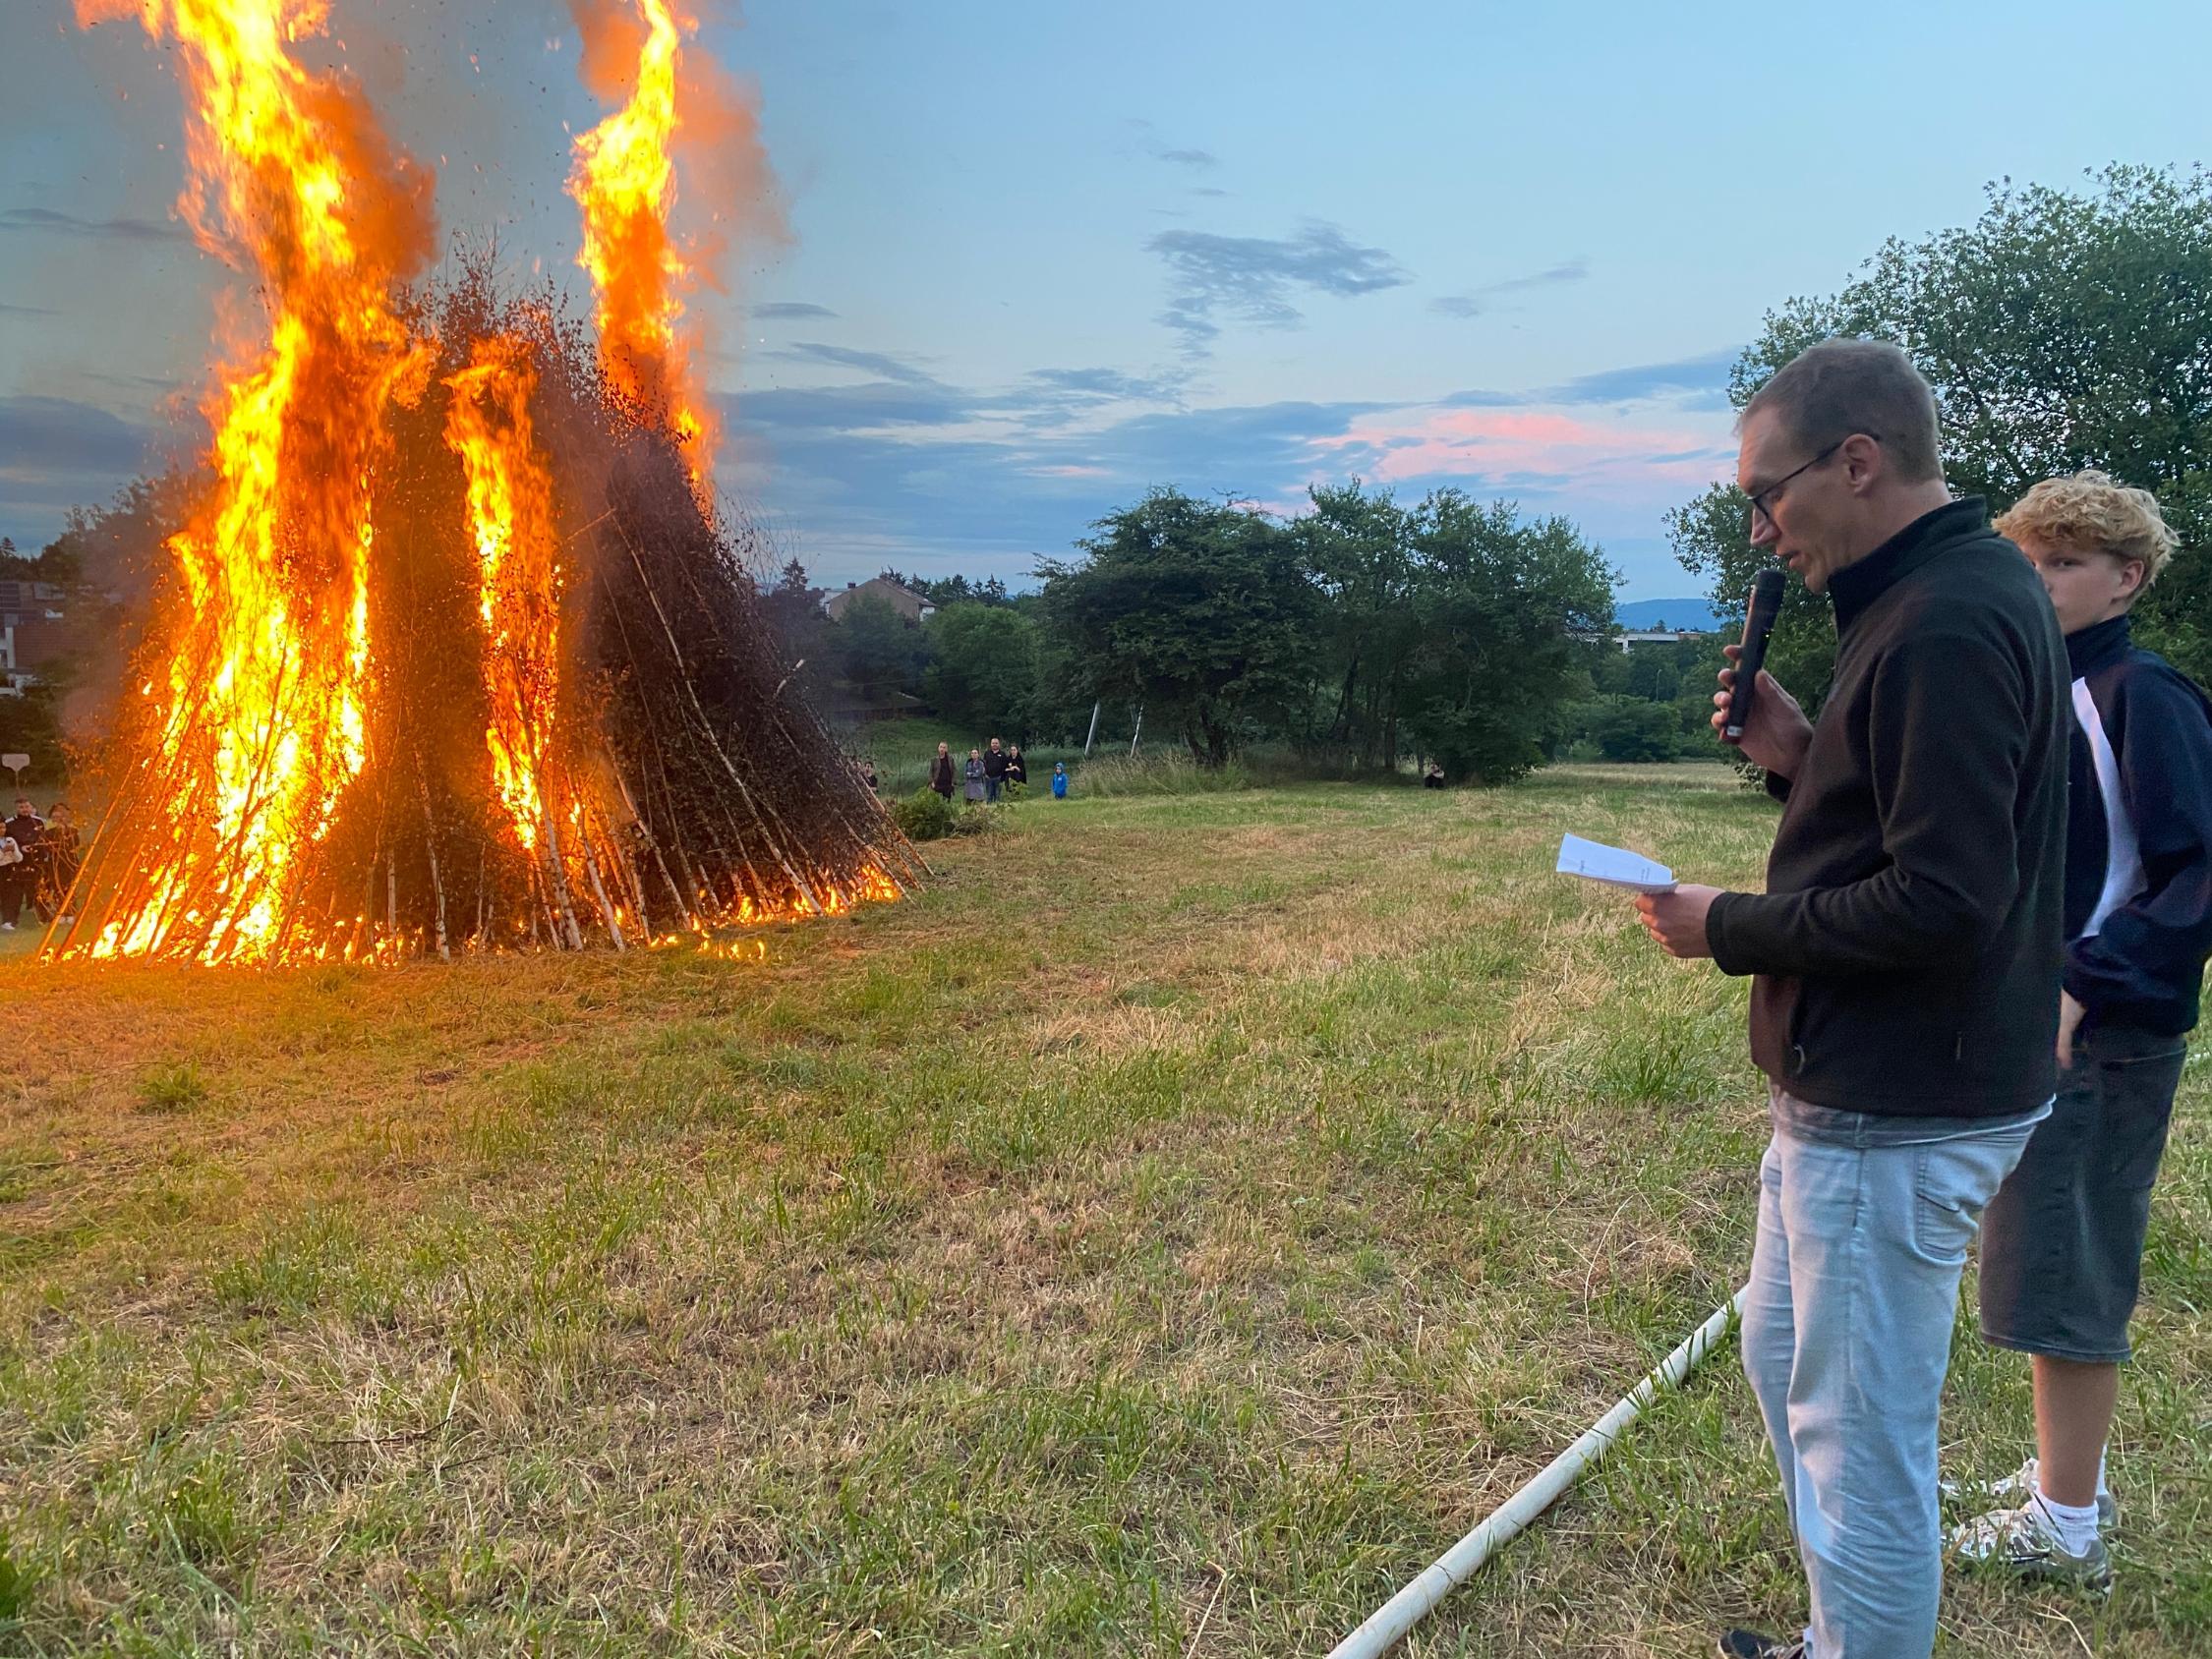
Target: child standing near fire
{"points": [[2062, 1240]]}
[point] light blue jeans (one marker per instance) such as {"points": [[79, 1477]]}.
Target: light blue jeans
{"points": [[1846, 1338]]}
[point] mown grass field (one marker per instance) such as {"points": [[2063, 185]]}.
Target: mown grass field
{"points": [[1161, 1237]]}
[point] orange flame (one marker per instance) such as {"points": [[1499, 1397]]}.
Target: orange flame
{"points": [[520, 575], [625, 180], [261, 714]]}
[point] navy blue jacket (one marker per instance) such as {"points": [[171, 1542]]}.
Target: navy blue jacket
{"points": [[2139, 834]]}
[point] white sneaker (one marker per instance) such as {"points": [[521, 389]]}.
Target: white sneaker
{"points": [[2023, 1543]]}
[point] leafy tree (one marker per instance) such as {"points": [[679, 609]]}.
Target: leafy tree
{"points": [[953, 589], [31, 724], [984, 675], [1511, 614], [1631, 728], [108, 562], [878, 650], [1200, 611], [1359, 549], [2060, 331], [793, 610]]}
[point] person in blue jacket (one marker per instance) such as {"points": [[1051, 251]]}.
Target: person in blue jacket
{"points": [[1059, 781], [2062, 1240]]}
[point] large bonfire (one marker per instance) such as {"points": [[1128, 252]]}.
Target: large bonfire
{"points": [[458, 652]]}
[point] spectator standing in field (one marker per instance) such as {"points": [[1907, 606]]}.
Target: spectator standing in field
{"points": [[28, 831], [994, 770], [868, 776], [27, 827], [2063, 1243], [61, 847], [1907, 947], [10, 879], [1059, 781], [941, 776], [1017, 772], [977, 782]]}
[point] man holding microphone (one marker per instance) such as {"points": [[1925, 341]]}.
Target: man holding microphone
{"points": [[1907, 957]]}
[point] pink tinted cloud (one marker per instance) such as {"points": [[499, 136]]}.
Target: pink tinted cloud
{"points": [[1431, 441]]}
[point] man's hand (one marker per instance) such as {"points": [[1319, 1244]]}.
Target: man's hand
{"points": [[1778, 733], [1678, 919], [2071, 1015]]}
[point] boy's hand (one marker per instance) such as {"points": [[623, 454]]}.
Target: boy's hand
{"points": [[2071, 1015]]}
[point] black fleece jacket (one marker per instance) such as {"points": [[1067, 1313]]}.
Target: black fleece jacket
{"points": [[2139, 834], [1908, 942]]}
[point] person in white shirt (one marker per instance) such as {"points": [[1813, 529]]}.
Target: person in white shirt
{"points": [[10, 880]]}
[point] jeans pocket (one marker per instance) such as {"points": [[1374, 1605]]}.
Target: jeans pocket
{"points": [[1944, 1218], [1953, 1182], [2136, 1102]]}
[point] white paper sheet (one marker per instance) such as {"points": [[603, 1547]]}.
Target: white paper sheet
{"points": [[1593, 861]]}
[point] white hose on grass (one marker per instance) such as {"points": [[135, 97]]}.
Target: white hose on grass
{"points": [[1403, 1611]]}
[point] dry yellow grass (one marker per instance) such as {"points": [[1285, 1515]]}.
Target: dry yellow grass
{"points": [[1190, 1203]]}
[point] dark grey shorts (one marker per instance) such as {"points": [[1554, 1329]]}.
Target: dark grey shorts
{"points": [[2062, 1240]]}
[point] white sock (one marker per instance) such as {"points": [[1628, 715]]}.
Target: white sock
{"points": [[2074, 1524]]}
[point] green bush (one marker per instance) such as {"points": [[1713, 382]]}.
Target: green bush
{"points": [[1629, 729], [926, 815], [978, 819], [923, 816]]}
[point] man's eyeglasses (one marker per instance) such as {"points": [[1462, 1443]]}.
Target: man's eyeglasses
{"points": [[1762, 507]]}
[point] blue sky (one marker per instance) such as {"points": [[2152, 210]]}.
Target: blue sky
{"points": [[1043, 256]]}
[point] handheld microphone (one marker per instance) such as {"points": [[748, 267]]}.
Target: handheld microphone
{"points": [[1758, 622]]}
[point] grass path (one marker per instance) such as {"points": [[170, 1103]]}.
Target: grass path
{"points": [[1193, 1203]]}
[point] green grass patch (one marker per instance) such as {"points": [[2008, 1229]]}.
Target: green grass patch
{"points": [[177, 1087]]}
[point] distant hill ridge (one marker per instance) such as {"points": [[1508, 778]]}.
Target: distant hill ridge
{"points": [[1689, 615]]}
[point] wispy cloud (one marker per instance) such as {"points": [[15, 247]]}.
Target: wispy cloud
{"points": [[1689, 382], [787, 311], [5, 310], [1103, 382], [883, 363], [69, 225], [1539, 451], [1252, 278], [1476, 301], [1190, 158], [984, 478], [1568, 270], [874, 405], [1704, 378]]}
